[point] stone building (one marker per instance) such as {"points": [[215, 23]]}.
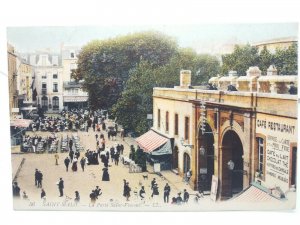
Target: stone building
{"points": [[12, 80], [240, 138], [279, 43]]}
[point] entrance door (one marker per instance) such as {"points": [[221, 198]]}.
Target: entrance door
{"points": [[186, 162], [232, 164]]}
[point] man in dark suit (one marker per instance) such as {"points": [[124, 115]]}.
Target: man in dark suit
{"points": [[67, 162], [167, 191], [61, 187]]}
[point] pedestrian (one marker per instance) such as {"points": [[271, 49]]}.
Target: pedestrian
{"points": [[39, 179], [188, 176], [93, 197], [43, 194], [82, 163], [16, 190], [67, 162], [179, 199], [121, 149], [74, 164], [36, 177], [77, 197], [142, 193], [153, 182], [56, 156], [155, 192], [127, 191], [186, 196], [117, 158], [70, 145], [122, 134], [61, 187], [167, 190], [105, 175], [98, 191]]}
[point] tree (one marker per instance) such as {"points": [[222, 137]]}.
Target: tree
{"points": [[136, 100], [286, 61], [240, 60], [265, 60], [105, 65], [141, 159]]}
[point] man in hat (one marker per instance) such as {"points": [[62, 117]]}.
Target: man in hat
{"points": [[67, 162], [167, 190], [61, 187], [186, 196]]}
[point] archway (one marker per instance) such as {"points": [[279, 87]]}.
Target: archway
{"points": [[206, 156], [175, 157], [186, 162], [232, 164]]}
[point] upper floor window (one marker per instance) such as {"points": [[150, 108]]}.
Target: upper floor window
{"points": [[176, 124], [72, 55], [55, 87], [158, 118], [167, 121], [54, 76], [186, 128], [260, 151]]}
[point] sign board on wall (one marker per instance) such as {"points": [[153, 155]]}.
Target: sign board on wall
{"points": [[156, 167], [278, 133], [214, 188]]}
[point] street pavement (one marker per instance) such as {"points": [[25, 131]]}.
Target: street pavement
{"points": [[85, 182]]}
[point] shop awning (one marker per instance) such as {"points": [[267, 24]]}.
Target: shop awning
{"points": [[20, 123], [151, 141], [75, 98], [255, 194]]}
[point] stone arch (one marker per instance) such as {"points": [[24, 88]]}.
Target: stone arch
{"points": [[235, 127]]}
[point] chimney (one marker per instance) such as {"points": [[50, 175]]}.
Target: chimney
{"points": [[185, 78], [271, 71]]}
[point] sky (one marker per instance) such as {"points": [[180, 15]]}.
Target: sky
{"points": [[204, 38]]}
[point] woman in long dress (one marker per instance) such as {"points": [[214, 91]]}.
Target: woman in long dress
{"points": [[105, 175], [74, 165]]}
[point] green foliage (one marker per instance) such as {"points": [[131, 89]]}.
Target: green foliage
{"points": [[245, 56], [286, 61], [136, 101], [105, 65], [240, 60]]}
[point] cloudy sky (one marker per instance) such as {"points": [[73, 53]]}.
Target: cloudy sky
{"points": [[208, 38]]}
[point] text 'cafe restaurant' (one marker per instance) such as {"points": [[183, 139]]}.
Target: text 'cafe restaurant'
{"points": [[245, 139]]}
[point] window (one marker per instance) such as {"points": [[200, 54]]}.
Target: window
{"points": [[167, 121], [44, 77], [186, 128], [55, 101], [260, 149], [176, 124], [158, 118], [72, 55], [54, 76], [55, 87]]}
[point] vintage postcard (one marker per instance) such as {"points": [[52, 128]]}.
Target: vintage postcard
{"points": [[154, 118]]}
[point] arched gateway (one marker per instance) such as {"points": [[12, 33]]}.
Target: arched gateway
{"points": [[232, 165]]}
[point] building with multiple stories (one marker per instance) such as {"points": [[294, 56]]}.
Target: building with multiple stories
{"points": [[279, 43], [228, 140], [12, 80]]}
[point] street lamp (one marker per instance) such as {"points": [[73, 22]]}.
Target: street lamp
{"points": [[202, 150]]}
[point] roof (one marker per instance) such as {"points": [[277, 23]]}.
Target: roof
{"points": [[150, 141], [255, 194], [277, 40]]}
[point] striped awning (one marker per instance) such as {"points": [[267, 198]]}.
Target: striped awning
{"points": [[254, 194], [20, 123], [151, 141]]}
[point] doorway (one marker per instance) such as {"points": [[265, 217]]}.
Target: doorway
{"points": [[232, 165]]}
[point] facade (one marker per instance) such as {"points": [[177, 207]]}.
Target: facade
{"points": [[73, 95], [240, 137], [272, 45], [24, 86], [12, 80]]}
